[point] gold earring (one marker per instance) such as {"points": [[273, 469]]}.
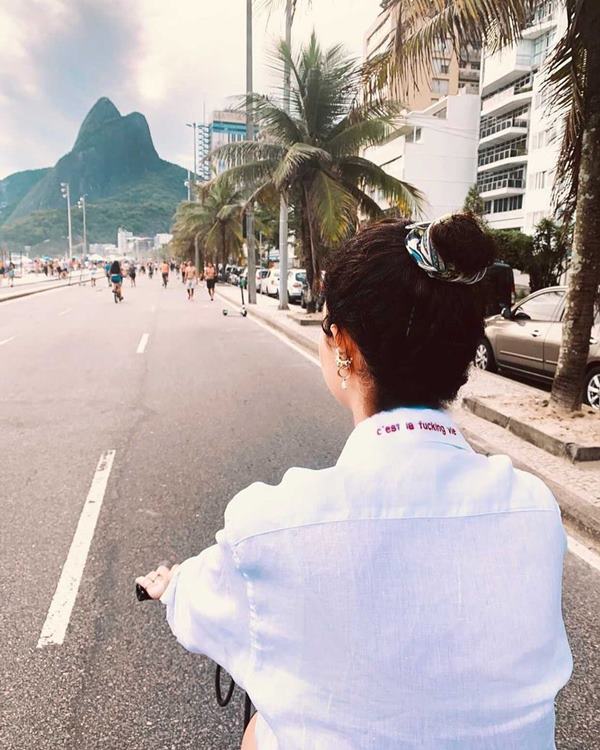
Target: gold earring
{"points": [[343, 362]]}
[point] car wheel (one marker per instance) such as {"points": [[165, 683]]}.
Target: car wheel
{"points": [[302, 302], [277, 294], [591, 392], [484, 357]]}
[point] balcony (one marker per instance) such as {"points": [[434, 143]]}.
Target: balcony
{"points": [[509, 128], [468, 74], [506, 99], [506, 65], [540, 24], [501, 186]]}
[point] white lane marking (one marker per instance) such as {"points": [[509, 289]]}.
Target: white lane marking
{"points": [[64, 312], [143, 343], [575, 547], [61, 606], [5, 341], [584, 553]]}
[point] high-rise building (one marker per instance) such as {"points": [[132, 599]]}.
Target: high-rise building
{"points": [[435, 149], [227, 126], [519, 142]]}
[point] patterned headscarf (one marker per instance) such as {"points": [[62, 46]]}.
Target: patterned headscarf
{"points": [[422, 250]]}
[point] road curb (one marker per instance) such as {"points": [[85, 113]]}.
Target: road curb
{"points": [[557, 447], [296, 336], [580, 513]]}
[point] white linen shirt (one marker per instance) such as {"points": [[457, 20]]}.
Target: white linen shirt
{"points": [[408, 597]]}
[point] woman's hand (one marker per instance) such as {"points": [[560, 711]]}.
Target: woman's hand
{"points": [[156, 581]]}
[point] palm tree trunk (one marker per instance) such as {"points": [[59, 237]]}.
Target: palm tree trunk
{"points": [[584, 274]]}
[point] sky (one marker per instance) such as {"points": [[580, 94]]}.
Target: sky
{"points": [[166, 59]]}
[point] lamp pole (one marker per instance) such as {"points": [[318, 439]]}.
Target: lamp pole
{"points": [[194, 125], [66, 193], [283, 202], [82, 206], [250, 137]]}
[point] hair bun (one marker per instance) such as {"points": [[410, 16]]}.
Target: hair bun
{"points": [[463, 242]]}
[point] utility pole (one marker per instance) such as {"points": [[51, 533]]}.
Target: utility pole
{"points": [[66, 193], [81, 204], [283, 202], [250, 137], [188, 185]]}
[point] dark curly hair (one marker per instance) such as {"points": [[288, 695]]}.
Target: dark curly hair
{"points": [[416, 334]]}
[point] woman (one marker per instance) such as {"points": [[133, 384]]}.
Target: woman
{"points": [[410, 595], [116, 277]]}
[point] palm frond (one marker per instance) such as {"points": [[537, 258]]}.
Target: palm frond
{"points": [[368, 176], [333, 207], [297, 158], [232, 154], [366, 125], [421, 28], [566, 86]]}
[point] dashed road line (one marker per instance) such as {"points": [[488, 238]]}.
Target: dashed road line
{"points": [[64, 312], [143, 343], [5, 341], [61, 606]]}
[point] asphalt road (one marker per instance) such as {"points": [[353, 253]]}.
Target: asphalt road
{"points": [[212, 404]]}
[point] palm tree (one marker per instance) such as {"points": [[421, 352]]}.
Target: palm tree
{"points": [[311, 155], [574, 84], [213, 223]]}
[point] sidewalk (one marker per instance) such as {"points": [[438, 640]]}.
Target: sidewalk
{"points": [[576, 486]]}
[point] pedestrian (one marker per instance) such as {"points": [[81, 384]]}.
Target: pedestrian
{"points": [[210, 276], [410, 595], [131, 273], [165, 273], [2, 272], [107, 272], [150, 270], [93, 271], [11, 274], [184, 267], [190, 278]]}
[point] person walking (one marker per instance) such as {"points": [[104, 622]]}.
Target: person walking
{"points": [[190, 278], [132, 274], [93, 271], [410, 595], [11, 274], [107, 271], [210, 275], [150, 270], [165, 273]]}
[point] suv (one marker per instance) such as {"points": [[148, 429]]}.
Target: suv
{"points": [[526, 340]]}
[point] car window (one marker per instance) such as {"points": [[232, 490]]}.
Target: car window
{"points": [[301, 276], [542, 307]]}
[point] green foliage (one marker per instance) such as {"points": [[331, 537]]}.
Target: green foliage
{"points": [[544, 257], [474, 203], [312, 154]]}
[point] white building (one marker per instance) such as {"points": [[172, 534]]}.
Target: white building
{"points": [[162, 239], [436, 151], [123, 240], [519, 143]]}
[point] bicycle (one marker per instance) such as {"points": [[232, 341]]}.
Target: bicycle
{"points": [[117, 293]]}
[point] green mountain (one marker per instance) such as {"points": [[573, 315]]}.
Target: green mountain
{"points": [[114, 163]]}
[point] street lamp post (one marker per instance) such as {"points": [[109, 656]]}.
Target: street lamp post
{"points": [[250, 137], [283, 202], [82, 206], [194, 125], [66, 193]]}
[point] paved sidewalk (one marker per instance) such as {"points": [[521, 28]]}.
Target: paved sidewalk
{"points": [[577, 486], [24, 288]]}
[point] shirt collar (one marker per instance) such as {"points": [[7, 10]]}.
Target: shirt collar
{"points": [[406, 426]]}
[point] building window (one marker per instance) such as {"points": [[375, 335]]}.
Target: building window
{"points": [[502, 205], [539, 180], [414, 136], [440, 86], [440, 67], [541, 47]]}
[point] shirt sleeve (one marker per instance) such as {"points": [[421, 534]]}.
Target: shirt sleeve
{"points": [[208, 609]]}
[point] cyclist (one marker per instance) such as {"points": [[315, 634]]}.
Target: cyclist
{"points": [[165, 273], [116, 277]]}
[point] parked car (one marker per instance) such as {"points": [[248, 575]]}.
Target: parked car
{"points": [[320, 298], [261, 274], [296, 278], [526, 338], [270, 284]]}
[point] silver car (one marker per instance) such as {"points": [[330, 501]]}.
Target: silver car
{"points": [[526, 340]]}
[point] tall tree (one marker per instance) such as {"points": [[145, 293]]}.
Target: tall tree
{"points": [[213, 223], [574, 79], [312, 153]]}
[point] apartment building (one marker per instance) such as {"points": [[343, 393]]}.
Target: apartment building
{"points": [[436, 151], [518, 141], [436, 147]]}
